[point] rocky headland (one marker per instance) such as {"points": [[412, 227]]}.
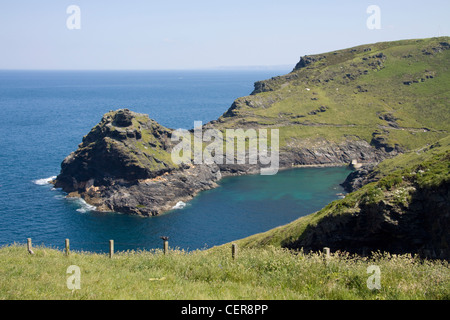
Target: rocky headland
{"points": [[124, 165]]}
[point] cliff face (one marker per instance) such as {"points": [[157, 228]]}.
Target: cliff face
{"points": [[124, 146], [325, 152], [419, 225], [124, 164]]}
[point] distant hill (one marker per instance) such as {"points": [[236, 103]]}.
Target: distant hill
{"points": [[391, 96]]}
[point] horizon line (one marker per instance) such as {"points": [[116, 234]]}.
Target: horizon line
{"points": [[217, 68]]}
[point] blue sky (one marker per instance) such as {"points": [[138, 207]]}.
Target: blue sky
{"points": [[175, 34]]}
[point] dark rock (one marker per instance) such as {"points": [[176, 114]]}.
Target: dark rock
{"points": [[389, 118], [361, 89], [359, 178], [306, 61], [381, 142], [324, 152], [123, 118]]}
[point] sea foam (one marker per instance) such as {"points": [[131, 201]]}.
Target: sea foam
{"points": [[43, 182], [85, 207], [179, 205]]}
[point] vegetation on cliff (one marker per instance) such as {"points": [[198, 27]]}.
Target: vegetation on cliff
{"points": [[393, 95], [123, 146]]}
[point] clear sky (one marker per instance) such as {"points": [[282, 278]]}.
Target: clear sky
{"points": [[183, 34]]}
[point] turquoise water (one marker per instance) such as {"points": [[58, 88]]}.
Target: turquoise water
{"points": [[44, 115]]}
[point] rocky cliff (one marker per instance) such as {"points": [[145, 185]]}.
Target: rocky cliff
{"points": [[408, 219], [124, 165]]}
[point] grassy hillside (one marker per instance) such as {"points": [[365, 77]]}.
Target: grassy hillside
{"points": [[396, 93], [263, 273]]}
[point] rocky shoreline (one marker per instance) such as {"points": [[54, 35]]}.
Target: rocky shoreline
{"points": [[123, 165]]}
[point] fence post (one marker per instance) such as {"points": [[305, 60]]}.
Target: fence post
{"points": [[67, 247], [111, 248], [30, 251], [166, 244], [233, 250], [326, 252]]}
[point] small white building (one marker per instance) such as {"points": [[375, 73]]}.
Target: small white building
{"points": [[355, 165]]}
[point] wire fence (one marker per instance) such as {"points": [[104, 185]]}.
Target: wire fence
{"points": [[110, 247], [107, 246], [102, 245], [95, 246]]}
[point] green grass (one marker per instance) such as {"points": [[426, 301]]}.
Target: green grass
{"points": [[258, 273], [434, 154]]}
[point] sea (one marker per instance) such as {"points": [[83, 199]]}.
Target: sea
{"points": [[45, 114]]}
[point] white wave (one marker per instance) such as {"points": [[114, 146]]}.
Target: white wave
{"points": [[43, 182], [179, 205], [84, 206]]}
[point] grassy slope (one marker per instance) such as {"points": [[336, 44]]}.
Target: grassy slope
{"points": [[356, 86], [259, 273]]}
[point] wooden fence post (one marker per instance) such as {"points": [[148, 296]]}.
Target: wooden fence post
{"points": [[67, 247], [166, 247], [166, 244], [111, 248], [326, 252], [233, 250], [30, 251]]}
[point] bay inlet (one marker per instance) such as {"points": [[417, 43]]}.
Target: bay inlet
{"points": [[44, 115]]}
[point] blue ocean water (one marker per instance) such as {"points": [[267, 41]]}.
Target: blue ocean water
{"points": [[45, 114]]}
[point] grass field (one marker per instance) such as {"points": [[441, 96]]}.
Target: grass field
{"points": [[260, 273]]}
